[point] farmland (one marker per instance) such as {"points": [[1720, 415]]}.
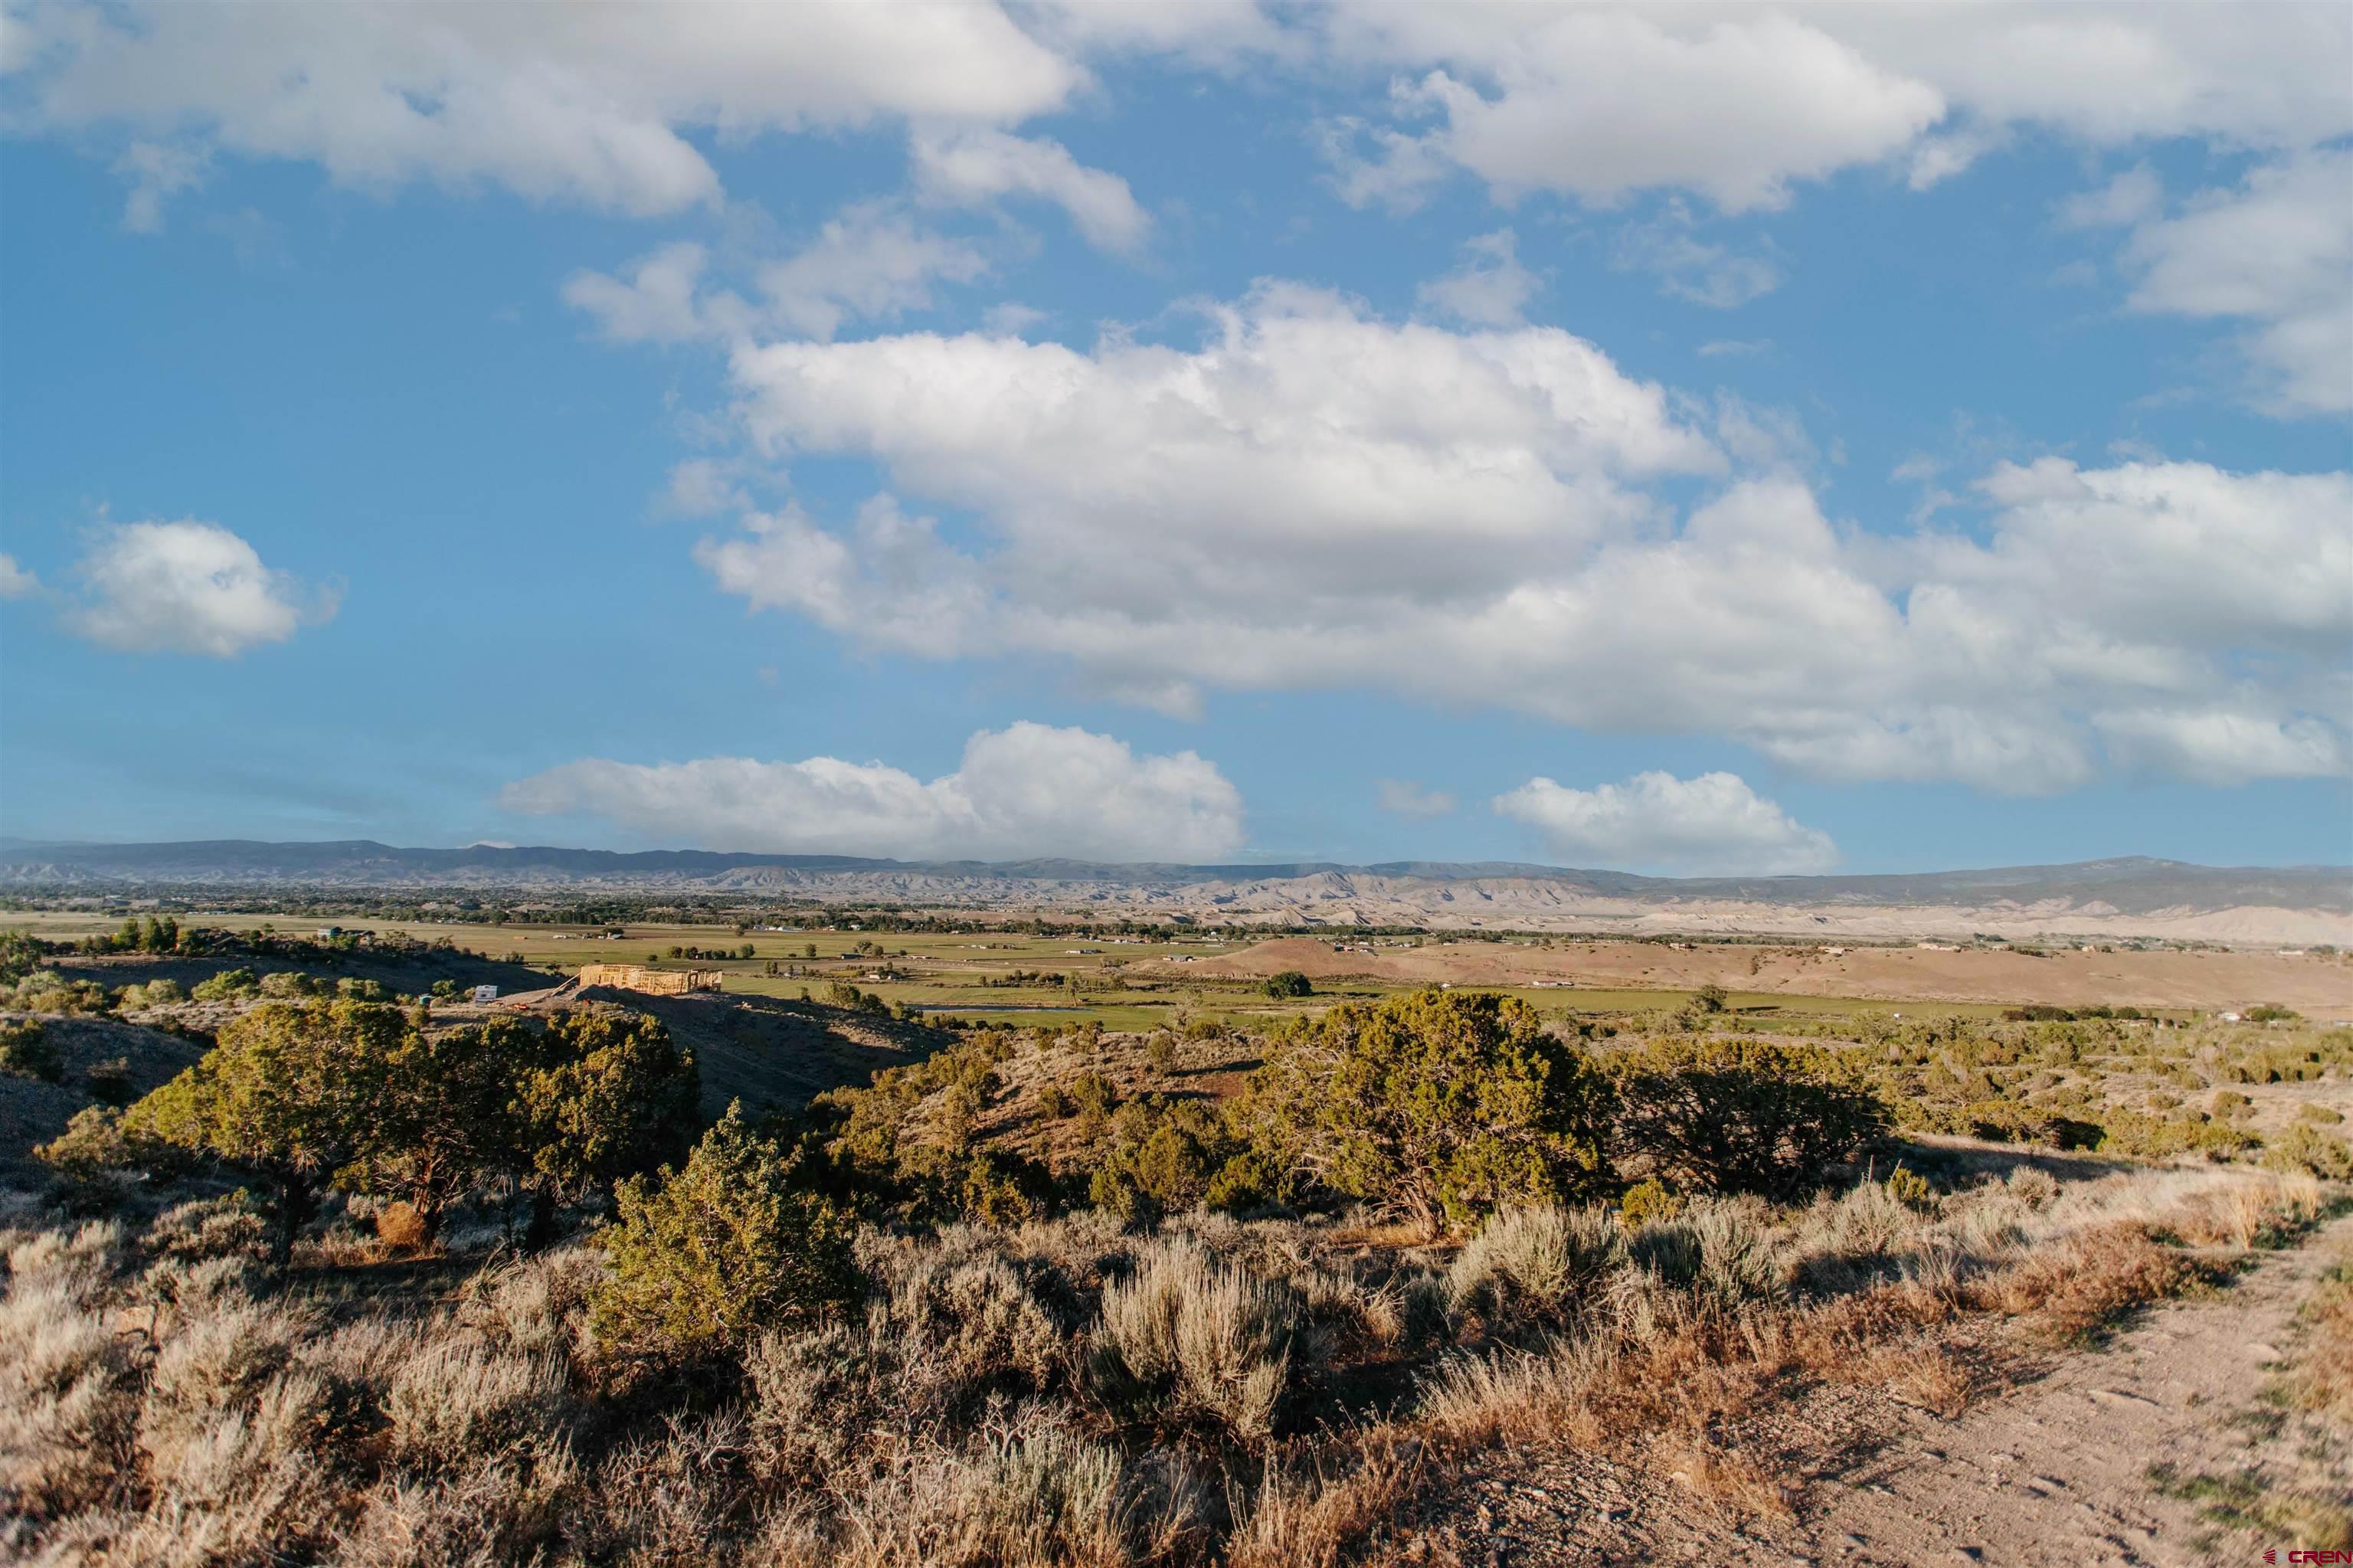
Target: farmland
{"points": [[1138, 982]]}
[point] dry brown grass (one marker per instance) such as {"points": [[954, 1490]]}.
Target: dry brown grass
{"points": [[1686, 1368], [2324, 1377], [1326, 1511], [1924, 1374], [1732, 1483], [400, 1227], [2071, 1293]]}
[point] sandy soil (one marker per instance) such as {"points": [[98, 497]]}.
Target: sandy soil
{"points": [[2319, 986]]}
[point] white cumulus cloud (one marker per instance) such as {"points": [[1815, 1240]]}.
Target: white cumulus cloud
{"points": [[187, 588], [973, 168], [16, 582], [1601, 103], [1711, 825], [2276, 253], [1312, 497], [1738, 105], [1027, 789], [589, 105]]}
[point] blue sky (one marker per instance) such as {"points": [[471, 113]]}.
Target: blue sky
{"points": [[1684, 440]]}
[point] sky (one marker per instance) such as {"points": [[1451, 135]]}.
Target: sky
{"points": [[1710, 440]]}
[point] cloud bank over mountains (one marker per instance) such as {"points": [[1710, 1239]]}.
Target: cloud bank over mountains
{"points": [[1023, 791]]}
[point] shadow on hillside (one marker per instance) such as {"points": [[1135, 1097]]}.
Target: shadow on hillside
{"points": [[1966, 1158], [34, 1110], [402, 974], [772, 1053]]}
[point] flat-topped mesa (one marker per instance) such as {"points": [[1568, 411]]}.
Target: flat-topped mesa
{"points": [[654, 982]]}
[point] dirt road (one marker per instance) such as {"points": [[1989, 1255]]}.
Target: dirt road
{"points": [[2158, 1450]]}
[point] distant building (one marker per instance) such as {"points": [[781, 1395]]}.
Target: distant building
{"points": [[653, 983], [486, 993]]}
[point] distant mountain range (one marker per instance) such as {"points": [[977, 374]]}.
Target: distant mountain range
{"points": [[2135, 896]]}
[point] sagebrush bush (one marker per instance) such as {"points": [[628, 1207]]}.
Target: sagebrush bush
{"points": [[1212, 1339], [456, 1402], [217, 1364], [1536, 1264], [68, 1395], [1044, 1498], [206, 1228]]}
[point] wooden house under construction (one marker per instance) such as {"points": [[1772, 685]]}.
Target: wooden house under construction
{"points": [[653, 983]]}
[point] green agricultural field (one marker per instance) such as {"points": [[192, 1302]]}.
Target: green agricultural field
{"points": [[990, 975]]}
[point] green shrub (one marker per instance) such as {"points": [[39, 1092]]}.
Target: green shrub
{"points": [[45, 991], [1243, 1182], [1162, 1160], [1648, 1200], [154, 993], [99, 1160], [2303, 1147], [229, 985], [2131, 1134], [1093, 1092], [26, 1050], [716, 1253], [1443, 1106], [1910, 1188], [1160, 1051], [1288, 983], [1741, 1116], [2013, 1121]]}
